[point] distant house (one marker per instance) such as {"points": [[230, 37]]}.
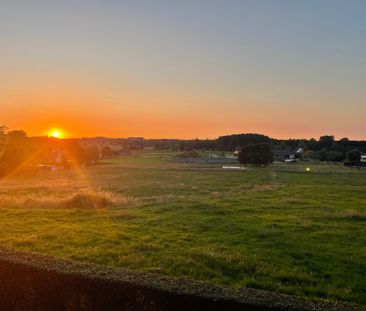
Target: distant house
{"points": [[363, 158], [300, 152], [237, 151], [285, 155]]}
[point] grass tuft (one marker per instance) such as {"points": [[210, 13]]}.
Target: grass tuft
{"points": [[81, 200]]}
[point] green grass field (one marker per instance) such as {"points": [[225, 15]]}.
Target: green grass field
{"points": [[278, 228]]}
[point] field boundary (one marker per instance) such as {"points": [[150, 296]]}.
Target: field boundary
{"points": [[34, 282]]}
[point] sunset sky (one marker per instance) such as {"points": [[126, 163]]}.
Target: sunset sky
{"points": [[184, 69]]}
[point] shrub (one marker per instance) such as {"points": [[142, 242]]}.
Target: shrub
{"points": [[256, 154]]}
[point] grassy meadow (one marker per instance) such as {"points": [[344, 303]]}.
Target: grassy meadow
{"points": [[278, 228]]}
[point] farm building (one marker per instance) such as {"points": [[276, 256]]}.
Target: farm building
{"points": [[363, 158], [285, 155]]}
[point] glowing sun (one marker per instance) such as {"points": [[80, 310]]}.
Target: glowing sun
{"points": [[56, 134]]}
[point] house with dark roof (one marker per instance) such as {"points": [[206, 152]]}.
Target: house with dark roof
{"points": [[285, 155], [363, 159]]}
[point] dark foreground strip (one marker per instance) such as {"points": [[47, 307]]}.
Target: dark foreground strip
{"points": [[32, 282]]}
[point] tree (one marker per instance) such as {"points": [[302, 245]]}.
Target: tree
{"points": [[344, 141], [16, 136], [354, 156], [106, 152], [323, 155], [310, 154], [334, 156], [256, 154], [312, 144], [230, 142], [326, 141], [93, 154], [75, 153], [16, 150]]}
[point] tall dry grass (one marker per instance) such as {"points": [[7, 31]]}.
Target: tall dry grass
{"points": [[84, 199]]}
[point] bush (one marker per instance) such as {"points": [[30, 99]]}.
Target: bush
{"points": [[354, 156], [256, 154]]}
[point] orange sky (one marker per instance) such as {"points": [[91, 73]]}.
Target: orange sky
{"points": [[183, 70], [81, 111]]}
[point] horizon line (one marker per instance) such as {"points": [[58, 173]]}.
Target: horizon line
{"points": [[196, 138]]}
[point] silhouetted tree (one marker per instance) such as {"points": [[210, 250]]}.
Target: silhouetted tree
{"points": [[93, 153], [326, 141], [344, 141], [230, 142], [310, 154], [323, 155], [312, 144], [15, 151], [334, 156], [256, 154], [106, 152], [354, 156]]}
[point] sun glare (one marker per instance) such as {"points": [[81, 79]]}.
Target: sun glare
{"points": [[56, 134]]}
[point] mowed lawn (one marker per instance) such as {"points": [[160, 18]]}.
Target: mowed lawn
{"points": [[278, 228]]}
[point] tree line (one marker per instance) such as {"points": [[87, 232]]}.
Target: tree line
{"points": [[16, 148]]}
